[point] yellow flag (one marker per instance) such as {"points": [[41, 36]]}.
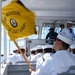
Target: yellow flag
{"points": [[18, 21]]}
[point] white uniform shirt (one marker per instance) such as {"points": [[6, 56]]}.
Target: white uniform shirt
{"points": [[72, 35], [66, 31], [42, 59], [13, 58], [30, 57], [20, 57], [35, 58], [59, 60], [16, 58], [73, 55]]}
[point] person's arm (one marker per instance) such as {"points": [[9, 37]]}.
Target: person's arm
{"points": [[45, 69], [47, 36], [39, 63]]}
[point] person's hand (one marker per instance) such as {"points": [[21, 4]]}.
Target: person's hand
{"points": [[31, 69]]}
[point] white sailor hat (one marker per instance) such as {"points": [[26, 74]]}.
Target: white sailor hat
{"points": [[47, 46], [39, 47], [65, 39], [69, 22], [21, 47], [72, 46], [33, 49]]}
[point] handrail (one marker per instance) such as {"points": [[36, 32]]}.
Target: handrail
{"points": [[2, 61]]}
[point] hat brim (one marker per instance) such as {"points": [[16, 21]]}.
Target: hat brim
{"points": [[64, 39]]}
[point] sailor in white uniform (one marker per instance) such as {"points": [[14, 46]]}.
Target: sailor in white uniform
{"points": [[12, 59], [17, 56], [72, 47], [67, 30], [47, 49], [69, 26], [33, 53], [62, 58], [39, 53]]}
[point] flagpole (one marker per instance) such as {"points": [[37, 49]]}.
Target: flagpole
{"points": [[23, 55]]}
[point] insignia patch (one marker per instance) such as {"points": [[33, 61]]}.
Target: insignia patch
{"points": [[13, 23]]}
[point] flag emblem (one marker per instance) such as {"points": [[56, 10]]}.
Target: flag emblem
{"points": [[13, 23]]}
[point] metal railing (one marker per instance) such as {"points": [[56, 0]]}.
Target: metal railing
{"points": [[2, 61]]}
